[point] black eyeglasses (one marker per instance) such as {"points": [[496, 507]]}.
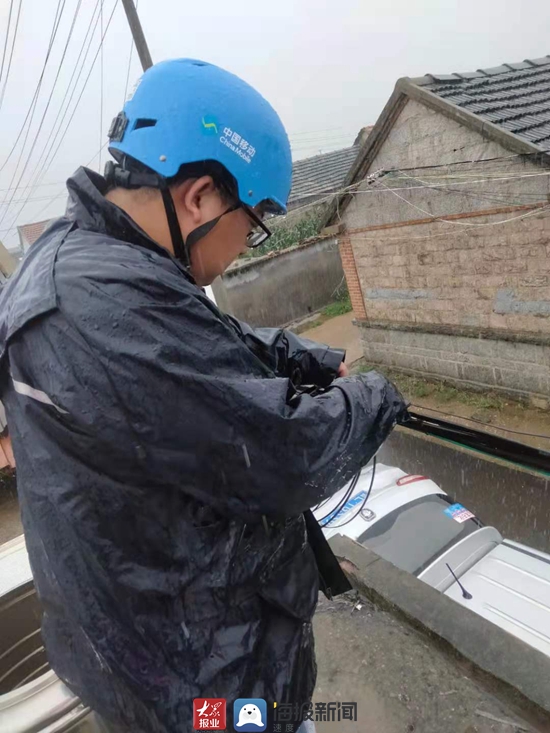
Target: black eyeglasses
{"points": [[260, 233]]}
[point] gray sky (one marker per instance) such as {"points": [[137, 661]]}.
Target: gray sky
{"points": [[327, 67]]}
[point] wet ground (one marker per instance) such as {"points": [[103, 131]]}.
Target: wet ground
{"points": [[401, 682], [341, 333]]}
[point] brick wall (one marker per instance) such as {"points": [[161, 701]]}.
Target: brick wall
{"points": [[517, 368], [475, 290], [479, 272], [352, 278], [470, 307]]}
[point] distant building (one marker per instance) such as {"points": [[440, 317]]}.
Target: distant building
{"points": [[29, 233], [8, 263], [445, 229], [317, 177]]}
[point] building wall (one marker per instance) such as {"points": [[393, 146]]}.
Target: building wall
{"points": [[283, 287], [471, 289], [470, 277], [514, 367], [7, 262], [423, 137], [352, 278]]}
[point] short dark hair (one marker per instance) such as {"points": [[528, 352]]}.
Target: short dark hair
{"points": [[224, 182]]}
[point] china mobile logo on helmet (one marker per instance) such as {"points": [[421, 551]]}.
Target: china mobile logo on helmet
{"points": [[230, 139]]}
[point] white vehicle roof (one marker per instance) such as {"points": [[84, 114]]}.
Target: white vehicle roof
{"points": [[391, 488], [510, 586]]}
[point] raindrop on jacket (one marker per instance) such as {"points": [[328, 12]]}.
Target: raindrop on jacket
{"points": [[153, 434]]}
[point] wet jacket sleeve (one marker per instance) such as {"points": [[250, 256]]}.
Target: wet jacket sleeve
{"points": [[288, 355], [154, 388]]}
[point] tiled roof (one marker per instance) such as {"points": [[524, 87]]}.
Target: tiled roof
{"points": [[515, 97], [320, 175], [29, 233]]}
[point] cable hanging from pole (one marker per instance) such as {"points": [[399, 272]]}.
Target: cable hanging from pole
{"points": [[59, 67], [57, 20], [54, 132], [100, 85], [11, 52], [52, 158], [6, 41], [132, 44]]}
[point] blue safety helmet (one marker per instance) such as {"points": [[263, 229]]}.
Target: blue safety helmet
{"points": [[186, 111]]}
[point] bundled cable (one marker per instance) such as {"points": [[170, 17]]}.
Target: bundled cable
{"points": [[324, 521]]}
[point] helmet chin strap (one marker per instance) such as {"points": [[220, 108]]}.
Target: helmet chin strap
{"points": [[181, 248], [116, 175]]}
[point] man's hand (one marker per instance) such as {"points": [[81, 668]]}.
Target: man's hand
{"points": [[343, 371]]}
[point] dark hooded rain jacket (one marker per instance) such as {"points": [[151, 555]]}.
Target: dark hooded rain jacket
{"points": [[164, 462]]}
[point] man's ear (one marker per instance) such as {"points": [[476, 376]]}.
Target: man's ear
{"points": [[193, 196]]}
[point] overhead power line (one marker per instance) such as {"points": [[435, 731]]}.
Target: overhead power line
{"points": [[500, 197], [311, 132], [59, 67], [41, 185], [38, 173], [132, 44], [476, 420], [137, 34], [101, 84], [349, 191], [52, 157], [57, 196], [6, 41], [57, 20], [11, 52]]}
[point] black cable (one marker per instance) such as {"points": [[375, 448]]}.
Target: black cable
{"points": [[46, 168], [24, 121], [493, 196], [11, 52], [6, 40], [101, 88], [85, 45], [129, 65], [358, 512], [53, 34], [542, 154], [342, 502], [82, 90], [59, 67], [480, 440], [480, 422]]}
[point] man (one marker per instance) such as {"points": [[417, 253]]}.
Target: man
{"points": [[165, 452]]}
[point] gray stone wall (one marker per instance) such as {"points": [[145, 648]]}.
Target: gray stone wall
{"points": [[423, 137], [513, 367], [484, 276], [426, 282], [277, 289]]}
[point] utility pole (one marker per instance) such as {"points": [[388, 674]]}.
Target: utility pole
{"points": [[137, 34]]}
